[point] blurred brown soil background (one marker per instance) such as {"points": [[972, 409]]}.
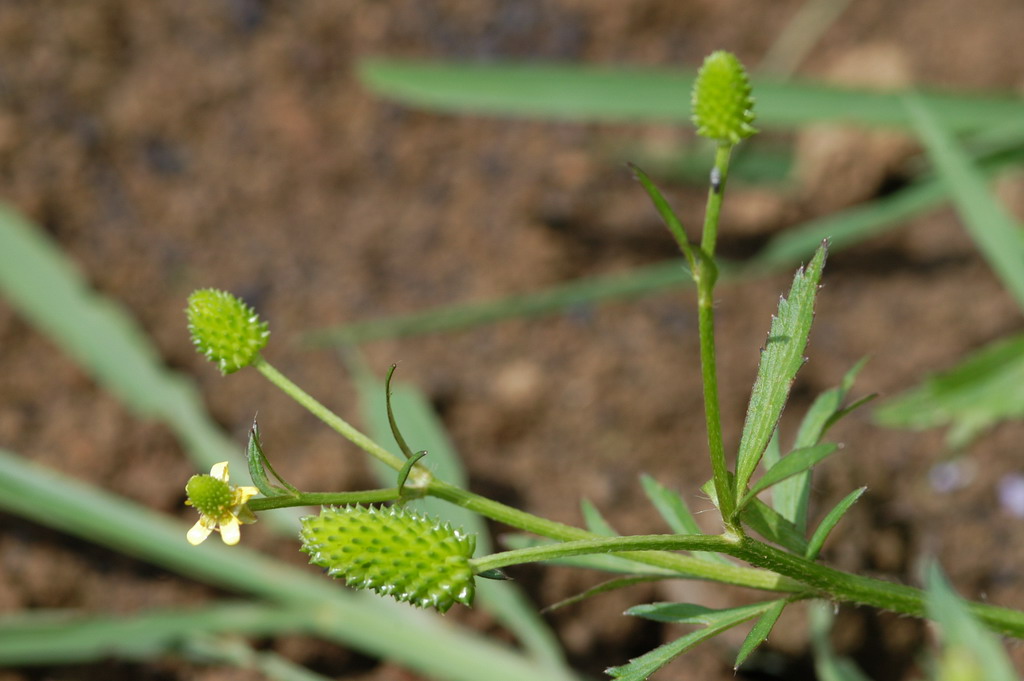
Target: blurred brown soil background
{"points": [[174, 145]]}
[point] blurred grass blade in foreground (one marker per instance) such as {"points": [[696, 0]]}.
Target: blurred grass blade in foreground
{"points": [[984, 389], [355, 619], [998, 237], [594, 93]]}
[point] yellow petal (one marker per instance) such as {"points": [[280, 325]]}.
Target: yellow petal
{"points": [[199, 532], [245, 492], [220, 471], [230, 531]]}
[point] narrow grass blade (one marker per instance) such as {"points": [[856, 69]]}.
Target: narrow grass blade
{"points": [[796, 462], [968, 648], [829, 522], [801, 33], [828, 665], [229, 650], [603, 587], [591, 93], [842, 229], [996, 234], [676, 513], [781, 358], [355, 619], [717, 621], [759, 634], [555, 299], [594, 521], [63, 637], [45, 288], [984, 389], [424, 430]]}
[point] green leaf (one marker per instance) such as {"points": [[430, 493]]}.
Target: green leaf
{"points": [[781, 358], [593, 93], [825, 407], [767, 522], [794, 463], [680, 613], [595, 522], [984, 389], [677, 515], [603, 587], [759, 634], [829, 522], [553, 299], [259, 464], [668, 216], [717, 621], [773, 452], [968, 647], [996, 234]]}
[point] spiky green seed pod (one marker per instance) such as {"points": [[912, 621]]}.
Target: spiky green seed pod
{"points": [[723, 108], [225, 329], [395, 552], [209, 495]]}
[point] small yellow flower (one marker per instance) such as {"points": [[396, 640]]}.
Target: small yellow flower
{"points": [[221, 505]]}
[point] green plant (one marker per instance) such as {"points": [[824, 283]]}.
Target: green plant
{"points": [[430, 563], [271, 596]]}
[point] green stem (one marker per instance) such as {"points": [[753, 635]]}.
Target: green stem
{"points": [[370, 496], [843, 586], [618, 545], [687, 566], [705, 275], [335, 422], [826, 582], [712, 410], [719, 175]]}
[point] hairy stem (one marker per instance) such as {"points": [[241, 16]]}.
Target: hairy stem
{"points": [[370, 496], [705, 275], [617, 545], [818, 580], [843, 586]]}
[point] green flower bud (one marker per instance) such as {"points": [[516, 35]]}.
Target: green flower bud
{"points": [[225, 329], [723, 108], [395, 552]]}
